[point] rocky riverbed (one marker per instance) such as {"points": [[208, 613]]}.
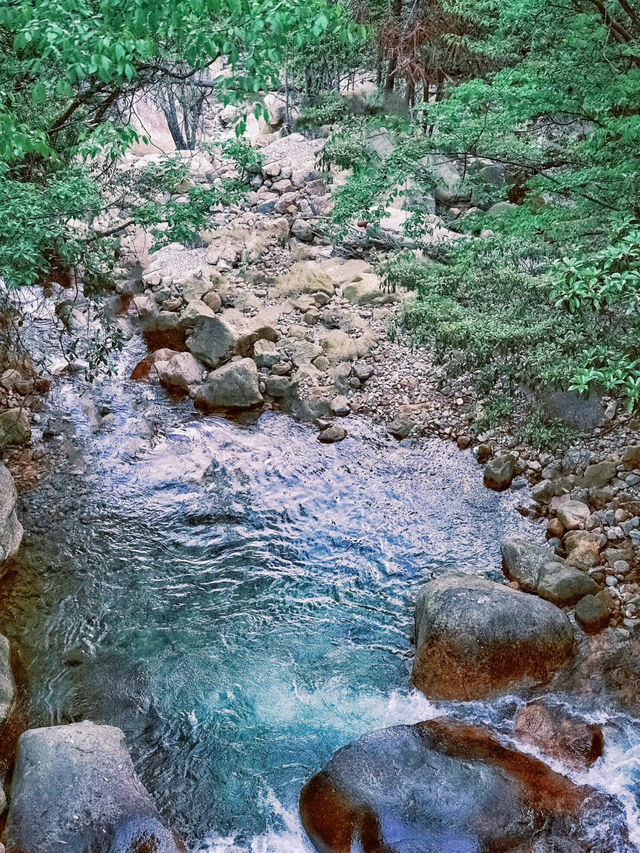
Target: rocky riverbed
{"points": [[301, 565]]}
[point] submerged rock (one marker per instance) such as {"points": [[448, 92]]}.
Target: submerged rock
{"points": [[559, 734], [476, 638], [444, 787], [10, 528], [75, 789], [538, 570]]}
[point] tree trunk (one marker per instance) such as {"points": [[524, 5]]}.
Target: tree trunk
{"points": [[396, 17]]}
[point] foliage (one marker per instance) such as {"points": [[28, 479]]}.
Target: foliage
{"points": [[543, 432], [327, 109], [495, 410]]}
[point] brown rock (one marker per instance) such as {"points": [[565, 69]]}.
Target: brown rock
{"points": [[560, 735]]}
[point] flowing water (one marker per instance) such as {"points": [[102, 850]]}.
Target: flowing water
{"points": [[238, 598]]}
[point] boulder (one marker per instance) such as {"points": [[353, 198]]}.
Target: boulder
{"points": [[445, 787], [213, 340], [75, 789], [233, 386], [10, 528], [181, 372], [559, 734], [14, 427], [304, 277], [476, 638], [536, 569], [366, 291], [499, 472], [573, 514], [597, 476], [339, 346]]}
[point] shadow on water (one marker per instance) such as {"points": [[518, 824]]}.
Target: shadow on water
{"points": [[237, 598]]}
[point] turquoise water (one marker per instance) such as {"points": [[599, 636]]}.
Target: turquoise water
{"points": [[238, 598]]}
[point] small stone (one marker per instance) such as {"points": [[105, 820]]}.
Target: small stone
{"points": [[363, 371], [611, 581], [621, 567], [400, 427], [463, 441], [332, 434]]}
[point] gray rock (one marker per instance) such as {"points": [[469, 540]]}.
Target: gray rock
{"points": [[340, 406], [499, 473], [592, 614], [14, 427], [10, 528], [582, 413], [213, 340], [445, 787], [75, 789], [302, 230], [180, 372], [476, 638], [265, 353], [597, 476], [332, 434], [573, 514], [233, 386], [277, 386], [400, 427], [538, 570]]}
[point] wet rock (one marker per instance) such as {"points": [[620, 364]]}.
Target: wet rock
{"points": [[332, 434], [213, 340], [538, 570], [476, 638], [10, 528], [573, 514], [143, 368], [181, 372], [592, 613], [75, 788], [499, 473], [559, 734], [233, 386], [444, 787], [14, 427]]}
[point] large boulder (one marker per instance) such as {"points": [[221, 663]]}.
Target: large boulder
{"points": [[233, 386], [75, 789], [536, 569], [444, 787], [10, 528], [477, 638]]}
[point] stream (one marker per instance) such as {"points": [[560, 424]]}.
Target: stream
{"points": [[238, 599]]}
